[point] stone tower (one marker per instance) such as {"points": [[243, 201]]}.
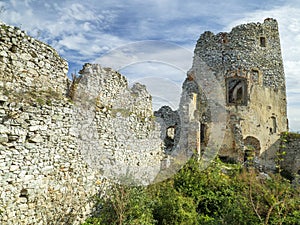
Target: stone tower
{"points": [[247, 64]]}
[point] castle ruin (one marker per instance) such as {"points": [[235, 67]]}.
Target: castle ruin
{"points": [[47, 168]]}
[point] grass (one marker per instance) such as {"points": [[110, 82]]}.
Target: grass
{"points": [[40, 97]]}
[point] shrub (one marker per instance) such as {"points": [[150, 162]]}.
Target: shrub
{"points": [[221, 194]]}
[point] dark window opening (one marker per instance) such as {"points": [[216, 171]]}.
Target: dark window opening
{"points": [[227, 159], [239, 94], [262, 42], [237, 91], [255, 75], [273, 130], [24, 193], [252, 147], [203, 133], [224, 39], [169, 139]]}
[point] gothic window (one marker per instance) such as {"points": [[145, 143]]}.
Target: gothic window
{"points": [[236, 91], [262, 41]]}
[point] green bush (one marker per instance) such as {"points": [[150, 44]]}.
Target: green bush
{"points": [[215, 193], [172, 207], [123, 205], [222, 194]]}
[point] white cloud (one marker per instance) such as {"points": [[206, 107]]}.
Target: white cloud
{"points": [[149, 50], [74, 42], [69, 25], [82, 31], [78, 12], [294, 118]]}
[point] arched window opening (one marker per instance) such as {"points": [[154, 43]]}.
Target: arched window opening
{"points": [[170, 138], [252, 148], [255, 75], [237, 91]]}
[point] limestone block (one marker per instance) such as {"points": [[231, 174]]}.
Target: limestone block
{"points": [[30, 64], [3, 129], [47, 169], [14, 57], [34, 128], [17, 64], [25, 56], [36, 138], [23, 207], [41, 63], [13, 168], [3, 138], [27, 178], [3, 53]]}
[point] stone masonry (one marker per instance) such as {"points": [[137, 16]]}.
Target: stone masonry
{"points": [[56, 153], [290, 154], [26, 63], [116, 127]]}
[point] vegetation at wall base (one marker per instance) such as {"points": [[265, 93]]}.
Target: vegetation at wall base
{"points": [[222, 194]]}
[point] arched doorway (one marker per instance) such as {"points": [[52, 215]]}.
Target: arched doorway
{"points": [[252, 148]]}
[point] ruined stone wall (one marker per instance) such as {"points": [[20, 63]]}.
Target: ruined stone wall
{"points": [[55, 152], [28, 64], [247, 63], [44, 178], [117, 128], [242, 50], [290, 153], [50, 170]]}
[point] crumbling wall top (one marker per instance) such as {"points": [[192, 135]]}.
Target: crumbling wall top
{"points": [[28, 64], [245, 48]]}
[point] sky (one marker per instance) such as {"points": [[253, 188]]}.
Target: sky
{"points": [[152, 42]]}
